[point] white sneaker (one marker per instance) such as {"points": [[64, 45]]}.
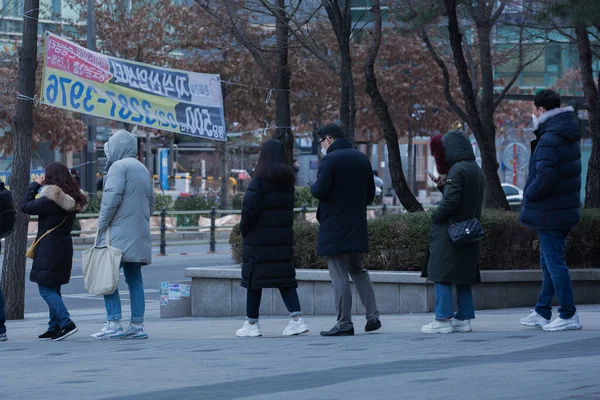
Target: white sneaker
{"points": [[560, 324], [438, 327], [295, 328], [461, 326], [534, 319], [249, 330], [109, 331]]}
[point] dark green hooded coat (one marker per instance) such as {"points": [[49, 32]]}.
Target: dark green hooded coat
{"points": [[463, 196]]}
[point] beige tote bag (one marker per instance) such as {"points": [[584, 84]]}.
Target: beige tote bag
{"points": [[101, 267]]}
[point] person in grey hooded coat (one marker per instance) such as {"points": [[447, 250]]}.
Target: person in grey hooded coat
{"points": [[124, 222]]}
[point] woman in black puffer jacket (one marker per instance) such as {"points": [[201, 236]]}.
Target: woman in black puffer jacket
{"points": [[267, 230], [60, 198]]}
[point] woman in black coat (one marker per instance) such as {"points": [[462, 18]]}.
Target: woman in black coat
{"points": [[450, 263], [267, 230], [59, 200]]}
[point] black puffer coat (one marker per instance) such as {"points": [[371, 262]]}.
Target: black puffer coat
{"points": [[552, 197], [266, 226], [54, 253]]}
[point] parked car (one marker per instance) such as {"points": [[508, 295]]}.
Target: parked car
{"points": [[514, 195]]}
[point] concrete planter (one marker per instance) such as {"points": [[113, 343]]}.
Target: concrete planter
{"points": [[216, 292]]}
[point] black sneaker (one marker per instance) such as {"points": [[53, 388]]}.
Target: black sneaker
{"points": [[373, 325], [49, 334], [65, 332]]}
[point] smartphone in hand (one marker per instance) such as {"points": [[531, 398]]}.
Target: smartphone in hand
{"points": [[433, 177]]}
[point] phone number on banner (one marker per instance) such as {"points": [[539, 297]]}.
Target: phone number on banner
{"points": [[186, 118]]}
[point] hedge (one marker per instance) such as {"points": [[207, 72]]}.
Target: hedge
{"points": [[161, 201], [399, 242]]}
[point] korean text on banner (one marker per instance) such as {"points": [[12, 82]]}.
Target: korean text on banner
{"points": [[91, 83]]}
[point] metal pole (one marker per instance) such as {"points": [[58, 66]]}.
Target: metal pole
{"points": [[213, 227], [91, 156], [163, 232]]}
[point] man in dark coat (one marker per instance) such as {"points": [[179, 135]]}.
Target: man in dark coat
{"points": [[551, 204], [451, 263], [344, 188]]}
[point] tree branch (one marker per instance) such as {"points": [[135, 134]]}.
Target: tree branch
{"points": [[234, 28], [447, 93]]}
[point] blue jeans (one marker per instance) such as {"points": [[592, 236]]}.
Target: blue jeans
{"points": [[557, 279], [444, 303], [2, 314], [133, 277], [59, 315]]}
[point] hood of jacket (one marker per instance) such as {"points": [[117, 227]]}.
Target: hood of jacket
{"points": [[457, 148], [120, 145], [561, 122], [64, 201]]}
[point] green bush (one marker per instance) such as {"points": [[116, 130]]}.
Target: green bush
{"points": [[94, 205], [400, 242], [303, 197], [236, 202], [163, 201], [193, 203]]}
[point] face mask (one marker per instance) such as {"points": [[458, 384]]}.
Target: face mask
{"points": [[536, 121], [323, 151]]}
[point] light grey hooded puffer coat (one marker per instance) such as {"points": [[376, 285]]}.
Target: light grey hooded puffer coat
{"points": [[127, 200]]}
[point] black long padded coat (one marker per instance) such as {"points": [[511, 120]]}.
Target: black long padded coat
{"points": [[54, 253], [448, 262], [267, 231]]}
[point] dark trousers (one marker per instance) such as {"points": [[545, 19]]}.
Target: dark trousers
{"points": [[288, 295]]}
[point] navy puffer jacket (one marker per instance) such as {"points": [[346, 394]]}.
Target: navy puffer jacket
{"points": [[551, 199]]}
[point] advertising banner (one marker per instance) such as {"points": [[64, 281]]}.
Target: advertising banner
{"points": [[87, 82]]}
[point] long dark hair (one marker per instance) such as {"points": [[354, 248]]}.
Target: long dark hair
{"points": [[273, 164], [59, 175]]}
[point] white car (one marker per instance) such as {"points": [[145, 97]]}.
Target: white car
{"points": [[514, 195]]}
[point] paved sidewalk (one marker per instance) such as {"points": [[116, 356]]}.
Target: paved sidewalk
{"points": [[200, 358]]}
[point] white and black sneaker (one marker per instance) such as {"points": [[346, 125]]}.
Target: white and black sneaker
{"points": [[65, 332]]}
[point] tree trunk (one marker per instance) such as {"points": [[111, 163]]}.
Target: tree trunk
{"points": [[486, 140], [408, 200], [495, 196], [223, 161], [592, 187], [283, 118], [348, 100], [13, 268], [340, 17]]}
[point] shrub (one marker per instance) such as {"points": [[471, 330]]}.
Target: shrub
{"points": [[303, 197], [236, 201], [400, 242], [193, 203], [163, 201], [94, 205]]}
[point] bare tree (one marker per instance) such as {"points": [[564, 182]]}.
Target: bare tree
{"points": [[475, 73], [13, 268], [380, 106], [235, 18]]}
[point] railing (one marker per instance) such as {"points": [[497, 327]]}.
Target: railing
{"points": [[212, 228]]}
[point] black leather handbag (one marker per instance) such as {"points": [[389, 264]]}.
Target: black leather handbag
{"points": [[467, 231]]}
